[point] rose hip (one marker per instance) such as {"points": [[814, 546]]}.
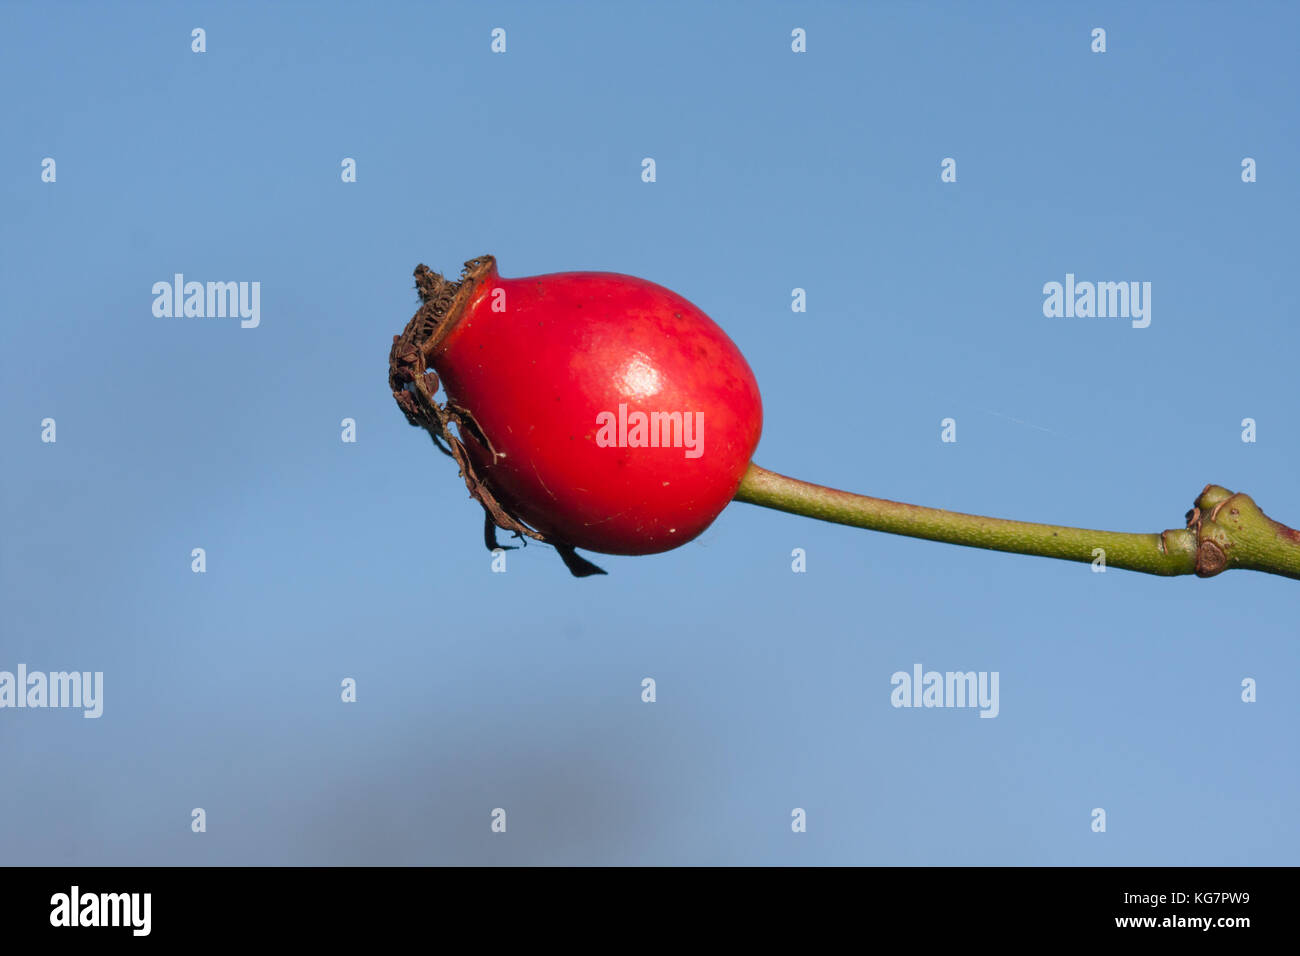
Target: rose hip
{"points": [[602, 410]]}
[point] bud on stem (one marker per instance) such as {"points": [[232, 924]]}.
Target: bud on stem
{"points": [[1224, 530]]}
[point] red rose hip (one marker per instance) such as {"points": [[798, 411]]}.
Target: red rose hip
{"points": [[601, 410]]}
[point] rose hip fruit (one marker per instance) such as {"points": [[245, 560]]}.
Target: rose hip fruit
{"points": [[601, 410]]}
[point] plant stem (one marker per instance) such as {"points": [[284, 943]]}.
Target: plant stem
{"points": [[1224, 530]]}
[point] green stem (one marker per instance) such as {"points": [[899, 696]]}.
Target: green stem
{"points": [[1224, 530]]}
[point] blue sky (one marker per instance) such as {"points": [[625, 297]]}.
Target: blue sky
{"points": [[775, 170]]}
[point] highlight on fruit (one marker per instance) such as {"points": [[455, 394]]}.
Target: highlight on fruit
{"points": [[601, 411]]}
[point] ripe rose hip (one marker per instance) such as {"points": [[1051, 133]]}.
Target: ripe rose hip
{"points": [[601, 410]]}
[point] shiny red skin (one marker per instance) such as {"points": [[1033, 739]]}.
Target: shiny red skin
{"points": [[569, 346]]}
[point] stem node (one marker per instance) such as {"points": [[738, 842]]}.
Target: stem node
{"points": [[1224, 530]]}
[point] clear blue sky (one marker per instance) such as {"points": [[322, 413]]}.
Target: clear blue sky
{"points": [[521, 690]]}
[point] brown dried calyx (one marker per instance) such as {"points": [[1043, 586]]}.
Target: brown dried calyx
{"points": [[414, 385]]}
